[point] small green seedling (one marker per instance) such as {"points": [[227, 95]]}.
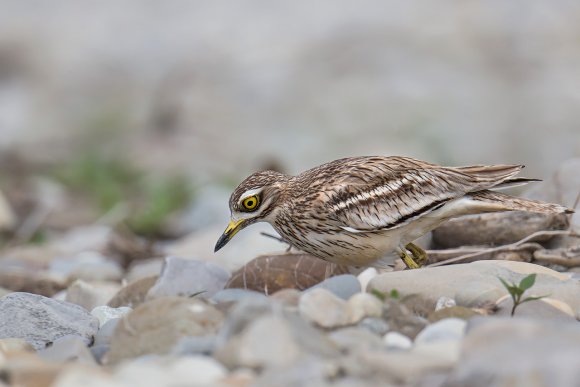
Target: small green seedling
{"points": [[393, 294], [517, 291]]}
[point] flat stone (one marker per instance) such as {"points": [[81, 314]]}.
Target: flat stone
{"points": [[518, 350], [157, 325], [90, 295], [68, 349], [363, 305], [234, 295], [323, 308], [40, 320], [187, 277], [449, 329], [343, 286], [133, 294], [477, 283], [352, 339], [105, 313], [171, 371], [396, 340]]}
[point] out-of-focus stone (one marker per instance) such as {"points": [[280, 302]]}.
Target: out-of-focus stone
{"points": [[105, 313], [353, 339], [90, 295], [133, 294], [234, 295], [343, 286], [7, 217], [40, 320], [143, 269], [11, 347], [155, 327], [518, 350], [42, 283], [288, 297], [497, 228], [396, 340], [452, 329], [271, 273], [187, 277], [68, 349], [363, 305], [88, 266], [324, 308], [452, 312], [477, 283]]}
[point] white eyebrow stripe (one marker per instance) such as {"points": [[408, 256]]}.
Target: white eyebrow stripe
{"points": [[250, 192]]}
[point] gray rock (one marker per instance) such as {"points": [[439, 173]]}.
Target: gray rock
{"points": [[323, 308], [343, 286], [376, 325], [476, 283], [40, 320], [105, 333], [234, 295], [452, 329], [91, 295], [518, 352], [186, 277], [195, 345], [242, 314], [88, 266], [143, 269], [106, 313], [68, 349], [352, 339], [156, 326]]}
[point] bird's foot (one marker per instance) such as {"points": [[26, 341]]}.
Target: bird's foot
{"points": [[416, 259]]}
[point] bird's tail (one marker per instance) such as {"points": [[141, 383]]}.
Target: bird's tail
{"points": [[503, 202]]}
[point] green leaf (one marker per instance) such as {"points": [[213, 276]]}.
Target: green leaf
{"points": [[378, 294], [532, 298], [505, 284], [394, 294], [527, 282]]}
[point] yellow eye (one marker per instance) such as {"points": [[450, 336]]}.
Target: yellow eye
{"points": [[250, 203]]}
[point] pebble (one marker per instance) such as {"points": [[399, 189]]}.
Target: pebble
{"points": [[363, 305], [234, 295], [90, 295], [68, 349], [396, 340], [157, 325], [366, 275], [323, 308], [195, 345], [187, 277], [352, 339], [106, 313], [452, 329], [169, 371], [445, 302], [376, 325], [40, 320], [343, 286], [134, 294], [144, 269], [498, 350], [88, 266]]}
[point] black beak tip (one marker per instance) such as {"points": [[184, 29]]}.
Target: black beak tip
{"points": [[221, 243]]}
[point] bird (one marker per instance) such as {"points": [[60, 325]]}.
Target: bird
{"points": [[362, 211]]}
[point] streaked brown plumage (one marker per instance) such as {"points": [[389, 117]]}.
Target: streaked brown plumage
{"points": [[358, 210]]}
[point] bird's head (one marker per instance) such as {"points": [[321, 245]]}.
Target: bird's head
{"points": [[254, 200]]}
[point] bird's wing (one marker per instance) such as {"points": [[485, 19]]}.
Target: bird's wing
{"points": [[385, 193]]}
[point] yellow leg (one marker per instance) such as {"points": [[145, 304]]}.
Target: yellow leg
{"points": [[419, 254], [408, 259]]}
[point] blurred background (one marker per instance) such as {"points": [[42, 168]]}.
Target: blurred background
{"points": [[151, 111]]}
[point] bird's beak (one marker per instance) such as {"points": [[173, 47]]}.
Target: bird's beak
{"points": [[231, 230]]}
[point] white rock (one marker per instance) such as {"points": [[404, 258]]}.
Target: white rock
{"points": [[323, 308], [105, 313], [448, 329], [396, 340], [366, 275], [363, 305], [158, 371]]}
